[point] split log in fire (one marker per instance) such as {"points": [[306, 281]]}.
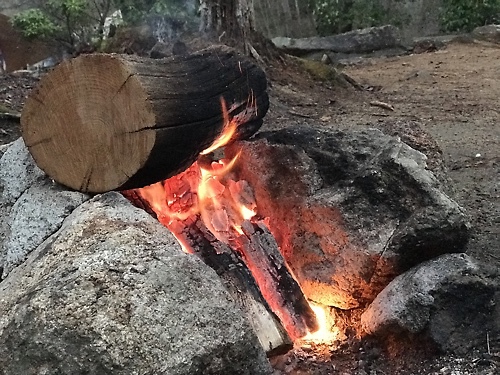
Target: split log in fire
{"points": [[210, 214]]}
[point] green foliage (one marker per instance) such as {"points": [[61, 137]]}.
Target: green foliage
{"points": [[79, 24], [74, 8], [34, 23], [136, 11], [465, 15], [75, 24], [337, 16]]}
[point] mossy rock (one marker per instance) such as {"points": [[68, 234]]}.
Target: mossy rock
{"points": [[323, 72]]}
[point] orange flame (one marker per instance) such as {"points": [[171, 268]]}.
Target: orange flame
{"points": [[220, 200], [327, 332], [229, 128], [223, 204]]}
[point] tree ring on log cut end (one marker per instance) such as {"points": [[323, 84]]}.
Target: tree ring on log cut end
{"points": [[91, 118]]}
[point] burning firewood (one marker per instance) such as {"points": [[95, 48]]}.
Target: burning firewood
{"points": [[112, 122], [240, 283], [233, 272], [206, 209], [261, 253]]}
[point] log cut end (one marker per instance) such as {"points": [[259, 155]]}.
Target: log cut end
{"points": [[88, 124]]}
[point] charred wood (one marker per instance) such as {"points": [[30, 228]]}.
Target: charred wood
{"points": [[234, 274], [262, 256], [240, 283]]}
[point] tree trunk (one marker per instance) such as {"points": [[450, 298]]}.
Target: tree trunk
{"points": [[113, 122], [233, 19], [232, 22]]}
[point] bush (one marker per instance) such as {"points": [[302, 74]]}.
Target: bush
{"points": [[338, 16], [136, 11], [75, 24], [167, 18], [80, 24], [465, 15], [34, 23]]}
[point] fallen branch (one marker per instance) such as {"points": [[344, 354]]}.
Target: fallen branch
{"points": [[299, 114], [255, 54], [352, 81], [383, 105]]}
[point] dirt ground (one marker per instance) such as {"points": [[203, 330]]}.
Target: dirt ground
{"points": [[446, 103]]}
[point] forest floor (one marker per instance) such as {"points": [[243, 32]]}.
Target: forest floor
{"points": [[446, 103]]}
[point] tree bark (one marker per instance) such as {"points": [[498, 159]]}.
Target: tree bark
{"points": [[232, 22], [113, 122], [230, 18]]}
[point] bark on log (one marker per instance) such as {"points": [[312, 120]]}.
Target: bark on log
{"points": [[114, 122], [261, 254]]}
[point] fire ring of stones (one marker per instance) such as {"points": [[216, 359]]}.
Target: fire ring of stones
{"points": [[95, 284]]}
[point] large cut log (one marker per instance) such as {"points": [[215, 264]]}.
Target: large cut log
{"points": [[105, 122], [356, 41]]}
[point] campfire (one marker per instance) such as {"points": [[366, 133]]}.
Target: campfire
{"points": [[175, 130], [206, 205], [304, 227]]}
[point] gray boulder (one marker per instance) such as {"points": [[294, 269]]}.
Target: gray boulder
{"points": [[18, 172], [33, 206], [357, 41], [453, 300], [111, 292], [488, 33], [350, 210]]}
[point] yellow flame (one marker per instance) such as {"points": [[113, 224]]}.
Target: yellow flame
{"points": [[230, 126], [326, 332], [247, 213]]}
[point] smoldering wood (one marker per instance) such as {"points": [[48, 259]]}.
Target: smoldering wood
{"points": [[261, 254], [241, 285], [113, 122]]}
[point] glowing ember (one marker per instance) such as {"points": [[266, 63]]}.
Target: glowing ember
{"points": [[221, 206], [327, 331]]}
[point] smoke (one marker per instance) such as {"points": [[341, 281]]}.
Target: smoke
{"points": [[170, 27]]}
